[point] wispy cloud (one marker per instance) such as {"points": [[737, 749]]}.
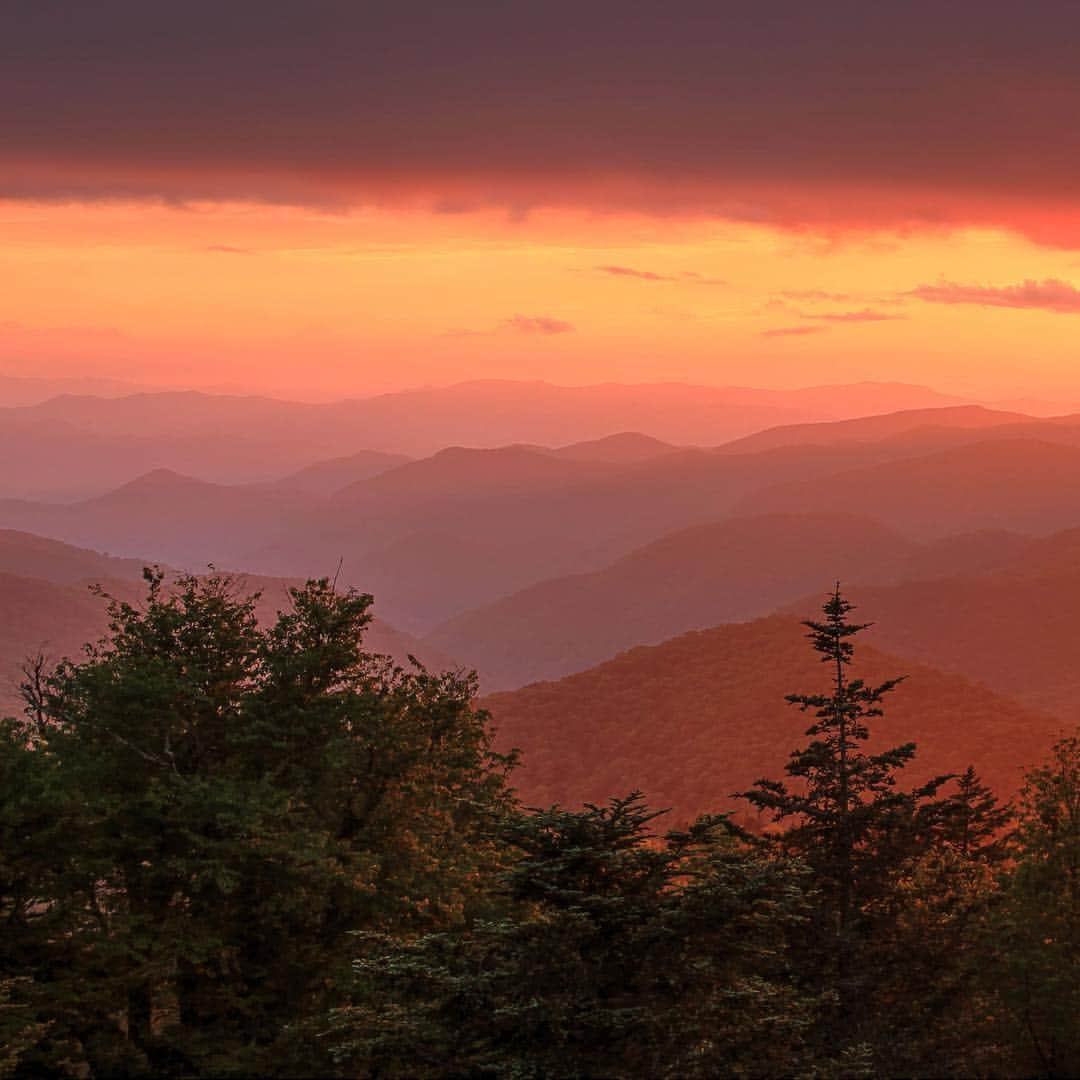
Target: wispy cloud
{"points": [[687, 276], [815, 294], [701, 279], [793, 331], [629, 271], [1051, 294], [539, 324], [228, 249], [862, 316]]}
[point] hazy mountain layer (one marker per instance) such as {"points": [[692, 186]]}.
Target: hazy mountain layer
{"points": [[701, 716]]}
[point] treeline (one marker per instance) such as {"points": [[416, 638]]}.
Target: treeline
{"points": [[235, 850]]}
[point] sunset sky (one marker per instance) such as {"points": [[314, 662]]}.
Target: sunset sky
{"points": [[322, 199]]}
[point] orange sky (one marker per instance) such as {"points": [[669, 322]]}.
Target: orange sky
{"points": [[303, 301], [335, 198]]}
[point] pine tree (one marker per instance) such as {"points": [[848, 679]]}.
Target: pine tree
{"points": [[622, 954], [973, 822], [943, 901], [845, 817], [1032, 966]]}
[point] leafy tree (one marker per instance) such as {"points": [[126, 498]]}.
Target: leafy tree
{"points": [[247, 797], [843, 814], [39, 831], [622, 955]]}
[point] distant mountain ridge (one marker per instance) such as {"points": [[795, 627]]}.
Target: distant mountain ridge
{"points": [[1022, 484], [76, 445], [48, 607], [437, 536], [726, 571], [876, 428]]}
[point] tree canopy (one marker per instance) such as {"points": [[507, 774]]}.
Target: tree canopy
{"points": [[230, 848]]}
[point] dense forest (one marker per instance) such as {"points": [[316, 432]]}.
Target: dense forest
{"points": [[233, 847]]}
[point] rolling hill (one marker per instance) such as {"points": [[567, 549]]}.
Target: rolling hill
{"points": [[449, 533], [166, 516], [439, 536], [964, 418], [721, 572], [1021, 485], [622, 448], [48, 606], [701, 716], [1013, 628], [324, 478]]}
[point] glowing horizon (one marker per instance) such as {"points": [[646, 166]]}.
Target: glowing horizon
{"points": [[298, 301]]}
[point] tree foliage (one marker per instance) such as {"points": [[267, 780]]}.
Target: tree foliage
{"points": [[233, 849], [243, 798], [870, 845], [621, 955], [1032, 951]]}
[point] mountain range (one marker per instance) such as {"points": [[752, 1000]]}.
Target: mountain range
{"points": [[76, 445], [49, 608]]}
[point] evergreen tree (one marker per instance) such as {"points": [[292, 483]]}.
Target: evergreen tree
{"points": [[844, 816], [973, 823], [929, 981], [621, 955], [1032, 962]]}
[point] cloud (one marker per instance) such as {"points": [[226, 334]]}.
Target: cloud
{"points": [[228, 249], [690, 276], [701, 279], [793, 331], [1051, 294], [863, 316], [539, 324], [896, 116], [815, 294], [644, 275]]}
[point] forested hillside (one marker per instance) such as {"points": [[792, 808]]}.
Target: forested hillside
{"points": [[703, 715]]}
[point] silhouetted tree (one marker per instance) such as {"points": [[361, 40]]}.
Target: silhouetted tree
{"points": [[843, 814], [972, 821]]}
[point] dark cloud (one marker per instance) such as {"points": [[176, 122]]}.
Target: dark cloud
{"points": [[1049, 295], [793, 331], [837, 115]]}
